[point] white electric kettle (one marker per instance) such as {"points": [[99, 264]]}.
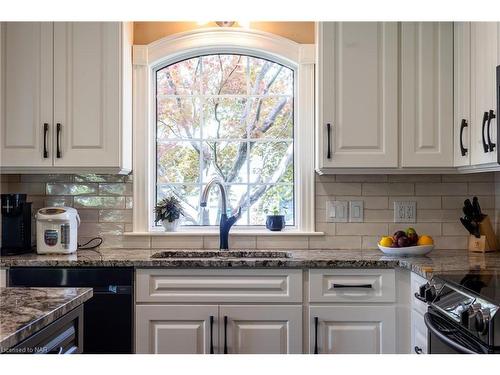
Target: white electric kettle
{"points": [[57, 230]]}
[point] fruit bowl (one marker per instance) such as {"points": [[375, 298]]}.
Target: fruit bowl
{"points": [[406, 251]]}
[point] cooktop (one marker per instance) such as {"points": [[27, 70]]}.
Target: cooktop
{"points": [[483, 283]]}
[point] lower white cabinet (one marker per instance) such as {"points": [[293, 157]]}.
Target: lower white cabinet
{"points": [[263, 311], [261, 329], [223, 329], [356, 329], [175, 329], [229, 311], [418, 309], [418, 334]]}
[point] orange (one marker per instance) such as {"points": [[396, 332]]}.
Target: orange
{"points": [[425, 240]]}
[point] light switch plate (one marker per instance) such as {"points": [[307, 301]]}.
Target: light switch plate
{"points": [[405, 212], [336, 211], [356, 212]]}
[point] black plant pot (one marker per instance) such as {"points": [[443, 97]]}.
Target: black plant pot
{"points": [[275, 223]]}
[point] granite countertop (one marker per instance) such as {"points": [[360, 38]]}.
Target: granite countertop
{"points": [[435, 261], [25, 311]]}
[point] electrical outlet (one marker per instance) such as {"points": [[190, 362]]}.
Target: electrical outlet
{"points": [[405, 212], [356, 211], [336, 211]]}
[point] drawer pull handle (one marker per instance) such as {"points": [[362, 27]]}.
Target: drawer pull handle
{"points": [[418, 350], [316, 321], [225, 335], [211, 334], [344, 286]]}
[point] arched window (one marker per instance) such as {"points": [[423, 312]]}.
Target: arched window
{"points": [[229, 116], [236, 104]]}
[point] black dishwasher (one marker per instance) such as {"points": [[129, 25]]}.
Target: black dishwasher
{"points": [[108, 315]]}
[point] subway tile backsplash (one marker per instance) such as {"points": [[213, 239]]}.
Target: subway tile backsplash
{"points": [[105, 205]]}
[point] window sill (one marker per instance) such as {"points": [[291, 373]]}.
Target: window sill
{"points": [[235, 232]]}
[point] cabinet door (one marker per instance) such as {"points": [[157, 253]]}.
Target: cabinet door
{"points": [[26, 93], [87, 93], [427, 94], [357, 94], [462, 97], [484, 46], [352, 329], [175, 329], [261, 329], [418, 334]]}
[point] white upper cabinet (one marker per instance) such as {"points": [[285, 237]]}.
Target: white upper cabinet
{"points": [[87, 97], [357, 101], [76, 78], [484, 59], [462, 94], [26, 94], [426, 94]]}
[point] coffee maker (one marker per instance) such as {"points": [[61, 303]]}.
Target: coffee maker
{"points": [[16, 224]]}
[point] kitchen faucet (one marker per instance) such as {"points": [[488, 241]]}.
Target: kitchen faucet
{"points": [[225, 223]]}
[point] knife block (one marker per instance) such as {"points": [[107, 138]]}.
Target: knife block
{"points": [[487, 243]]}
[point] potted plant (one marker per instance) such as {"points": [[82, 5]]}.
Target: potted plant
{"points": [[168, 211], [275, 221]]}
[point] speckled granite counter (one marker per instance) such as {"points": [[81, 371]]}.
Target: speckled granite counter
{"points": [[25, 311], [436, 261]]}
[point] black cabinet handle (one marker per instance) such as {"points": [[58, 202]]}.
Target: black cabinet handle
{"points": [[364, 286], [418, 350], [329, 141], [417, 296], [225, 334], [211, 334], [491, 116], [316, 321], [58, 140], [45, 133], [463, 125], [486, 147]]}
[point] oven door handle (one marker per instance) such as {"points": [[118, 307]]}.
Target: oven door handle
{"points": [[441, 336]]}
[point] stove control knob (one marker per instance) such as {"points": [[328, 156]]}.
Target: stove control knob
{"points": [[430, 293], [483, 317], [468, 316], [422, 289]]}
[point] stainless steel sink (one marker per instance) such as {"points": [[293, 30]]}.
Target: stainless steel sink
{"points": [[183, 254]]}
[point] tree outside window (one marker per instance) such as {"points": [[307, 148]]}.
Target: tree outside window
{"points": [[228, 116]]}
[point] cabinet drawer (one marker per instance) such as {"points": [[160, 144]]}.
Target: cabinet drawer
{"points": [[215, 285], [352, 285]]}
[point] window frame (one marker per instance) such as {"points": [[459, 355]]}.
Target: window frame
{"points": [[149, 59]]}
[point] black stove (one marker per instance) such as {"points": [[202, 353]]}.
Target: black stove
{"points": [[463, 314]]}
